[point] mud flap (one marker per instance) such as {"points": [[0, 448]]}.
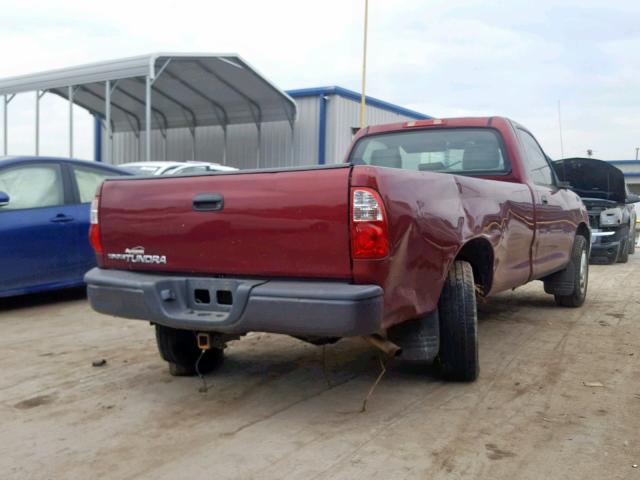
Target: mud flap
{"points": [[418, 338], [562, 282]]}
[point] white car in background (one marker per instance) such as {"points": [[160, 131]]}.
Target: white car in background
{"points": [[174, 168]]}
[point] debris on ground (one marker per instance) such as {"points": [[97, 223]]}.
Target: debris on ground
{"points": [[593, 384], [99, 363]]}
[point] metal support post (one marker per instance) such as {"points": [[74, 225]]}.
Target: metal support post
{"points": [[107, 112], [224, 147], [292, 149], [164, 144], [70, 94], [363, 97], [193, 143], [147, 118], [97, 138], [37, 122], [7, 100], [259, 144], [4, 124], [39, 95]]}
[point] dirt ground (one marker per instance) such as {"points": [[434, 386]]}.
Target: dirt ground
{"points": [[270, 413]]}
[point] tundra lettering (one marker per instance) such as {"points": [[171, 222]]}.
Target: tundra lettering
{"points": [[137, 258]]}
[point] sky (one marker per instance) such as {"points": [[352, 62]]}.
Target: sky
{"points": [[522, 59]]}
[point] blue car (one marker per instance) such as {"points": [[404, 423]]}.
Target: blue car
{"points": [[44, 221]]}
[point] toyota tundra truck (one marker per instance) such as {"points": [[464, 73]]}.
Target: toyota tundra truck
{"points": [[398, 242]]}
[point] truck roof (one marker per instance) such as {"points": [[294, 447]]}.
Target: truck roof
{"points": [[434, 122]]}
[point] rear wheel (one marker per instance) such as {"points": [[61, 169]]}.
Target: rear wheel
{"points": [[458, 356], [632, 241], [180, 349], [578, 273]]}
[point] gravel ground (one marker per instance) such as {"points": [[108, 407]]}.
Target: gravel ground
{"points": [[274, 412]]}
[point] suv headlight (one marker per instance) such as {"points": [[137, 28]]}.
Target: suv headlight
{"points": [[611, 217]]}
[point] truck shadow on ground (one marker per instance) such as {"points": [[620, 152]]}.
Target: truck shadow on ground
{"points": [[275, 384], [278, 358], [514, 303], [350, 360]]}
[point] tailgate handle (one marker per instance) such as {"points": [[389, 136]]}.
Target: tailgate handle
{"points": [[208, 202]]}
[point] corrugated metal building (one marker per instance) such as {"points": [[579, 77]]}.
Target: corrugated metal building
{"points": [[327, 120]]}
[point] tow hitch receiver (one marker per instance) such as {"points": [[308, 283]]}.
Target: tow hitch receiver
{"points": [[204, 341]]}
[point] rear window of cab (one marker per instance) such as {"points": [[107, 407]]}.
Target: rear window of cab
{"points": [[466, 151]]}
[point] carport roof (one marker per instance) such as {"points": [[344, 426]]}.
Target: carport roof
{"points": [[188, 90]]}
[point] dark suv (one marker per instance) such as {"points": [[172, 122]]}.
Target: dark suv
{"points": [[612, 217]]}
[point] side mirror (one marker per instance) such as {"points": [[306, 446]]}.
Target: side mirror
{"points": [[4, 199], [631, 198], [565, 185]]}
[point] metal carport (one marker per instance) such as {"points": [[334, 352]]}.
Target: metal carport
{"points": [[159, 92]]}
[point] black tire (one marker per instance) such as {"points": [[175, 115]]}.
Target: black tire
{"points": [[180, 349], [578, 271], [623, 254], [632, 240], [458, 355]]}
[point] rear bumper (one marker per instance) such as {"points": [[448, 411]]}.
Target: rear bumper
{"points": [[293, 307]]}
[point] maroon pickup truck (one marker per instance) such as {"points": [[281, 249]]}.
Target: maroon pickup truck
{"points": [[398, 241]]}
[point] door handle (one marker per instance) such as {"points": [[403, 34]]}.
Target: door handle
{"points": [[62, 218], [208, 202], [545, 200]]}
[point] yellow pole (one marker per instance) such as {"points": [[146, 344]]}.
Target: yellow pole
{"points": [[364, 65]]}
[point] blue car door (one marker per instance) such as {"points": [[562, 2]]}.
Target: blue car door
{"points": [[86, 179], [35, 227]]}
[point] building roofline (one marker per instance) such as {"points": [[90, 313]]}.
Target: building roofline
{"points": [[624, 162], [351, 95]]}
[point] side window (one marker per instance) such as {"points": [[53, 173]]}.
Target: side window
{"points": [[32, 186], [536, 161], [88, 180]]}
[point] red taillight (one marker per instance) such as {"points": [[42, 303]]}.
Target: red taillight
{"points": [[369, 232], [94, 229]]}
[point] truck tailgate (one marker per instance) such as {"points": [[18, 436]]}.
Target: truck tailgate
{"points": [[287, 223]]}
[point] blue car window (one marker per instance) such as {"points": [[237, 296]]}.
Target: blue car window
{"points": [[32, 186], [88, 180]]}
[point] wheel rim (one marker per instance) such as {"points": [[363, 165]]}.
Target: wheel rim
{"points": [[584, 265]]}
